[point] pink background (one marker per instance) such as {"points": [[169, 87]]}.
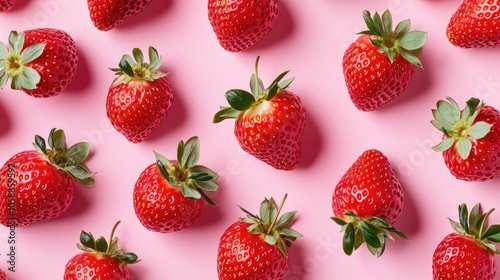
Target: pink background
{"points": [[308, 39]]}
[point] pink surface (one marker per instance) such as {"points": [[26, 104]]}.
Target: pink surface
{"points": [[309, 39]]}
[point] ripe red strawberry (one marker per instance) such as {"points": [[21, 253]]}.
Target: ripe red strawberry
{"points": [[37, 185], [240, 24], [139, 97], [167, 194], [256, 247], [100, 259], [367, 200], [107, 14], [269, 122], [3, 276], [41, 62], [475, 24], [379, 65], [469, 252], [471, 139], [5, 6]]}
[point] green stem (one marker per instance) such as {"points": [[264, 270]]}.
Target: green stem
{"points": [[277, 215]]}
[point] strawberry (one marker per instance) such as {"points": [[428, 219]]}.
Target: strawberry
{"points": [[36, 185], [469, 252], [367, 200], [100, 259], [475, 24], [5, 6], [379, 65], [269, 122], [256, 247], [3, 276], [167, 194], [41, 62], [140, 97], [471, 139], [240, 24], [107, 14]]}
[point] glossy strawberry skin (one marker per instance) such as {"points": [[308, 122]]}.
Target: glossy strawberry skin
{"points": [[6, 5], [136, 108], [475, 24], [107, 14], [240, 24], [369, 188], [161, 207], [459, 258], [483, 162], [87, 265], [246, 256], [272, 131], [371, 79], [58, 63], [42, 192]]}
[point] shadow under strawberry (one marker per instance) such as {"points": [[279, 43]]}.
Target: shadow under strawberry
{"points": [[83, 76], [5, 120], [410, 221], [82, 200], [296, 269], [151, 13], [312, 142], [284, 27]]}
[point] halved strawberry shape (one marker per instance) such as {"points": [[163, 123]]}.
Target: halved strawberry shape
{"points": [[468, 252], [367, 201], [42, 62], [36, 185], [270, 121], [379, 65], [471, 139], [140, 96], [256, 247], [167, 195], [100, 259]]}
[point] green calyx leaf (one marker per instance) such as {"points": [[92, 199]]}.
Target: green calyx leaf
{"points": [[372, 231], [240, 100], [135, 68], [101, 246], [473, 226], [184, 173], [275, 229], [15, 60], [459, 126], [401, 41], [69, 160]]}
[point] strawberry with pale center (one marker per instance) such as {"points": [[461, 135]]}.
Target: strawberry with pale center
{"points": [[270, 121], [469, 252], [108, 14], [379, 65]]}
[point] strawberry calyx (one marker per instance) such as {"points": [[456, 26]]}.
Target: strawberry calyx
{"points": [[101, 246], [272, 227], [473, 226], [137, 69], [459, 126], [372, 230], [14, 60], [69, 160], [192, 179], [401, 40], [258, 99]]}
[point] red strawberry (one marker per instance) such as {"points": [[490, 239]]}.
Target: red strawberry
{"points": [[3, 276], [475, 24], [379, 65], [471, 139], [5, 6], [139, 97], [257, 247], [107, 14], [240, 24], [41, 62], [167, 194], [469, 252], [99, 259], [37, 185], [367, 200], [269, 122]]}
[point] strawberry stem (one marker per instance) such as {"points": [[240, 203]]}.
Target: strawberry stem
{"points": [[277, 215]]}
